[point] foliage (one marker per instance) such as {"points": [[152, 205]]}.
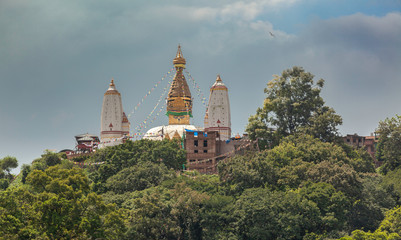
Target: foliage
{"points": [[388, 149], [391, 181], [323, 125], [25, 170], [293, 104], [57, 204], [374, 201], [51, 159], [139, 177], [262, 214], [334, 206], [361, 235], [4, 183], [389, 229], [392, 222], [6, 164], [129, 154]]}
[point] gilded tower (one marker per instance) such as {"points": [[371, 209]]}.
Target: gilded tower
{"points": [[179, 101]]}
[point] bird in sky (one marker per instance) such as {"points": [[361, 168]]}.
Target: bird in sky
{"points": [[271, 34]]}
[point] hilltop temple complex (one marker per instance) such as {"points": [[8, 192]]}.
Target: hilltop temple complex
{"points": [[208, 142], [204, 146]]}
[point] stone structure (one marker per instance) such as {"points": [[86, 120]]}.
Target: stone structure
{"points": [[114, 122], [218, 115]]}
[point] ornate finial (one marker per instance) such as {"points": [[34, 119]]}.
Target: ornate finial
{"points": [[112, 82], [179, 53], [218, 78], [179, 60]]}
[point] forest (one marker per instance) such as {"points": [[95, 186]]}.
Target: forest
{"points": [[304, 182]]}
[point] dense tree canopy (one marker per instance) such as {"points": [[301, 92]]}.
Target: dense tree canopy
{"points": [[293, 104], [388, 149]]}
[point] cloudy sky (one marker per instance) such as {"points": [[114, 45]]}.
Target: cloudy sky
{"points": [[57, 59]]}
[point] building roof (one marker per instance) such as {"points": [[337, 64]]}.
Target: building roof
{"points": [[218, 84], [86, 138], [125, 119], [161, 132], [112, 89]]}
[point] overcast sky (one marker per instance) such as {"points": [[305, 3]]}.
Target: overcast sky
{"points": [[58, 57]]}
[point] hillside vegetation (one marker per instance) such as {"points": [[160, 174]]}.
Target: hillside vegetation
{"points": [[305, 183]]}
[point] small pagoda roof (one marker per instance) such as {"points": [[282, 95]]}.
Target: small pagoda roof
{"points": [[86, 135], [86, 138]]}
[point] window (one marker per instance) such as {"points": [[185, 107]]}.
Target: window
{"points": [[204, 143], [205, 151], [195, 151], [195, 143]]}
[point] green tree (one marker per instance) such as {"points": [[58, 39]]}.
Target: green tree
{"points": [[293, 103], [8, 163], [139, 177], [25, 170], [391, 181], [129, 154], [333, 205], [389, 229], [323, 125], [51, 159], [262, 214], [66, 209], [217, 217], [343, 177], [392, 222], [361, 235], [388, 148], [368, 211]]}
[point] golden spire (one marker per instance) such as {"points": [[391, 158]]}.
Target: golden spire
{"points": [[218, 78], [179, 100], [179, 60], [112, 83]]}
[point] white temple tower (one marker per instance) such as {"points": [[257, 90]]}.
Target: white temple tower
{"points": [[218, 115], [114, 123]]}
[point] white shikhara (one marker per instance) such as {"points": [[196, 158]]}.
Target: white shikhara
{"points": [[218, 115], [114, 123]]}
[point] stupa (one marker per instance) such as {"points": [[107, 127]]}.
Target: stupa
{"points": [[179, 106]]}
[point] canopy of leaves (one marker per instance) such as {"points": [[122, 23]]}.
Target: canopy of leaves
{"points": [[388, 148], [293, 104], [57, 204]]}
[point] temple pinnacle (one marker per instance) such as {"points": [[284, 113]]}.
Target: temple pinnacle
{"points": [[179, 60]]}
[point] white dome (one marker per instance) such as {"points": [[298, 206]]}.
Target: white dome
{"points": [[158, 133]]}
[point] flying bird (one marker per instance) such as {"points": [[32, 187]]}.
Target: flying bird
{"points": [[271, 34]]}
